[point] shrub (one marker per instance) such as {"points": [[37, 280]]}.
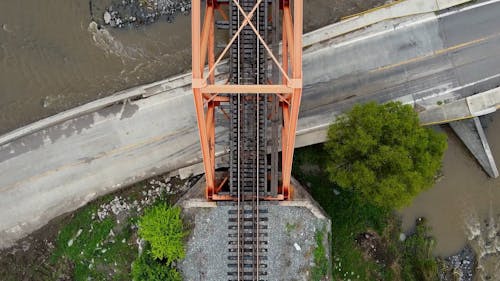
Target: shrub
{"points": [[162, 227], [146, 268], [418, 261]]}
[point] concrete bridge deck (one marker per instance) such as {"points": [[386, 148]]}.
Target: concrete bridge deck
{"points": [[422, 59]]}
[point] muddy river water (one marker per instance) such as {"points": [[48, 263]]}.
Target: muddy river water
{"points": [[464, 205], [52, 57], [463, 198]]}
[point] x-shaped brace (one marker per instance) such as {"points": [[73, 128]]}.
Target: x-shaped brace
{"points": [[248, 21]]}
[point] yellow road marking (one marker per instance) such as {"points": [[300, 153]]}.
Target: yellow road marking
{"points": [[436, 53], [372, 10], [98, 156], [454, 119], [447, 121]]}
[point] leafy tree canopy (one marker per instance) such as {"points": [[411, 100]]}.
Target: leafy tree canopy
{"points": [[383, 154]]}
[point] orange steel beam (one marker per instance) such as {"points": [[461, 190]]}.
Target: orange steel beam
{"points": [[287, 27], [284, 54], [284, 135], [262, 41], [211, 132], [221, 184], [297, 93], [205, 34], [198, 98], [247, 89], [245, 22], [211, 48], [216, 98]]}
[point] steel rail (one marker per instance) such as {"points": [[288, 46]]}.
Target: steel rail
{"points": [[239, 159], [257, 101]]}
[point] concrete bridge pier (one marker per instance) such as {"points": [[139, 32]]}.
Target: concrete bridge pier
{"points": [[471, 132]]}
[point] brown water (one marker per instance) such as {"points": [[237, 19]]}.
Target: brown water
{"points": [[465, 204], [53, 58]]}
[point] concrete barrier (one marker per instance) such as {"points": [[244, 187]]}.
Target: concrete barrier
{"points": [[469, 107], [397, 10], [119, 97]]}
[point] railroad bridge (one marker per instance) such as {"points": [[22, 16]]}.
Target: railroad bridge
{"points": [[116, 141], [260, 101]]}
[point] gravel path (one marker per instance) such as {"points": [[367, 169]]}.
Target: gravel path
{"points": [[291, 232]]}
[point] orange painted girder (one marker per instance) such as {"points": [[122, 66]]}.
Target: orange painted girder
{"points": [[247, 89]]}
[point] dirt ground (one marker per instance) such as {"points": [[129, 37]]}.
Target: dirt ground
{"points": [[28, 259]]}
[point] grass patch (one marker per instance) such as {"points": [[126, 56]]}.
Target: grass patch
{"points": [[418, 264], [290, 227], [145, 267], [162, 227], [321, 263], [92, 247]]}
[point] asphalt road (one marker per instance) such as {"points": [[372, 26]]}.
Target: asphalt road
{"points": [[422, 60], [439, 59]]}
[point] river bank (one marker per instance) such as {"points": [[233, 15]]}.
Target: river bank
{"points": [[463, 207], [462, 198]]}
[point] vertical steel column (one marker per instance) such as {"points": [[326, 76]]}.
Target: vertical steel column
{"points": [[297, 93], [198, 97]]}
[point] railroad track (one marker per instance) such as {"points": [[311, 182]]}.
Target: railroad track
{"points": [[248, 172]]}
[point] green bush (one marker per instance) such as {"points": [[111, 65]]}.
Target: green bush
{"points": [[381, 152], [162, 227], [146, 268], [418, 261]]}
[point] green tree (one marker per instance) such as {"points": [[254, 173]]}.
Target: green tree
{"points": [[162, 227], [382, 153]]}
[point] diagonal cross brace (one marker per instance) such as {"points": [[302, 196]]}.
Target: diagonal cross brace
{"points": [[248, 21], [261, 39], [245, 22]]}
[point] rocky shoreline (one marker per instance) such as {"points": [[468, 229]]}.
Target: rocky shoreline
{"points": [[135, 13], [459, 267]]}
